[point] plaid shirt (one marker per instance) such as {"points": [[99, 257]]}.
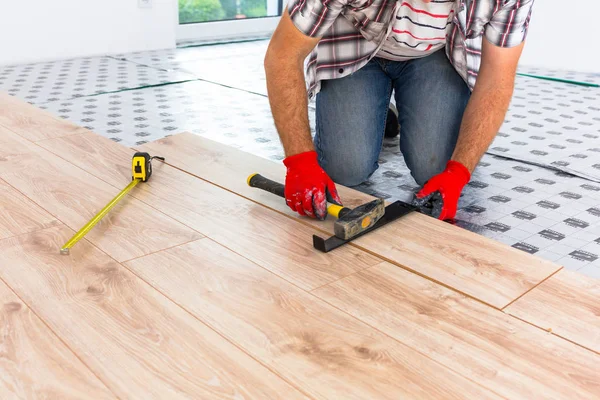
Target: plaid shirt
{"points": [[353, 31]]}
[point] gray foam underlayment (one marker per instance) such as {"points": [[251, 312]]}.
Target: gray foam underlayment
{"points": [[537, 189]]}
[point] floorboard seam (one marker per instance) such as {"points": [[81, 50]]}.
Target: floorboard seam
{"points": [[550, 331], [534, 287], [233, 343], [351, 243], [108, 183], [108, 387], [166, 248], [319, 300], [133, 194], [149, 205], [260, 266]]}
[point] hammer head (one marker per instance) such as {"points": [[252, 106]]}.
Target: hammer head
{"points": [[359, 219]]}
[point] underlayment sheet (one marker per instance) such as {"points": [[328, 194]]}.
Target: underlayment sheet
{"points": [[135, 117], [175, 58], [68, 79], [592, 78], [239, 66], [553, 124]]}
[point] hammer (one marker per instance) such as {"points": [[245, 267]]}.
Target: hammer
{"points": [[349, 223]]}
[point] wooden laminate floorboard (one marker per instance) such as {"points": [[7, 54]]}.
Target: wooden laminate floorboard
{"points": [[34, 363], [84, 150], [137, 341], [73, 196], [253, 230], [326, 352], [511, 357], [568, 305], [487, 270], [20, 215], [31, 122]]}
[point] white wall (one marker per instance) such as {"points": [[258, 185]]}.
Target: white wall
{"points": [[564, 35], [40, 30]]}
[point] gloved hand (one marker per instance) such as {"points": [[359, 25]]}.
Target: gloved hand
{"points": [[443, 190], [307, 186]]}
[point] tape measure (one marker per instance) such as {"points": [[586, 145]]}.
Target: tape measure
{"points": [[141, 166], [141, 171]]}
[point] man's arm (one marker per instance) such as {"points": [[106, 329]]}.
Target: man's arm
{"points": [[286, 86], [489, 102], [306, 183], [503, 42], [483, 117]]}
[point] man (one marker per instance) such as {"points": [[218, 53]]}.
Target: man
{"points": [[451, 64]]}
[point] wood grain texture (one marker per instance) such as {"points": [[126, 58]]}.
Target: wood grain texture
{"points": [[137, 341], [477, 266], [86, 150], [490, 271], [567, 304], [34, 363], [31, 122], [253, 230], [20, 215], [328, 353], [508, 356], [73, 196]]}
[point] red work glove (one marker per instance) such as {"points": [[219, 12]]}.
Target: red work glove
{"points": [[449, 184], [307, 186]]}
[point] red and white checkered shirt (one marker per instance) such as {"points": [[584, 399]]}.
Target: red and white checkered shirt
{"points": [[353, 32]]}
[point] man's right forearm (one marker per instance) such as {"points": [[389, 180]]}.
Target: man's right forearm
{"points": [[289, 103]]}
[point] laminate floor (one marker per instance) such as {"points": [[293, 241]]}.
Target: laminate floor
{"points": [[201, 287]]}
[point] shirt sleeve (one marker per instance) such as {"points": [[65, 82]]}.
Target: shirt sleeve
{"points": [[314, 17], [508, 27]]}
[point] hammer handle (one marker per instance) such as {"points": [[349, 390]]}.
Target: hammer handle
{"points": [[260, 182]]}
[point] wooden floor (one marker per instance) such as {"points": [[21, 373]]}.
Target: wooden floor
{"points": [[198, 287]]}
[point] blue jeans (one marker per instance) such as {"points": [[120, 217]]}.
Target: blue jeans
{"points": [[431, 98]]}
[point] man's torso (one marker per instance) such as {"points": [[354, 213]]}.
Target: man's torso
{"points": [[418, 29], [364, 27]]}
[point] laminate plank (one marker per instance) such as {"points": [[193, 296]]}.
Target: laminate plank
{"points": [[137, 341], [567, 304], [326, 352], [508, 356], [20, 215], [74, 196], [229, 168], [85, 150], [34, 364], [31, 122], [489, 271], [253, 230]]}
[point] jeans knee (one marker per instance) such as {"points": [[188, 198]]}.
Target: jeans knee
{"points": [[420, 177], [349, 173], [424, 171]]}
